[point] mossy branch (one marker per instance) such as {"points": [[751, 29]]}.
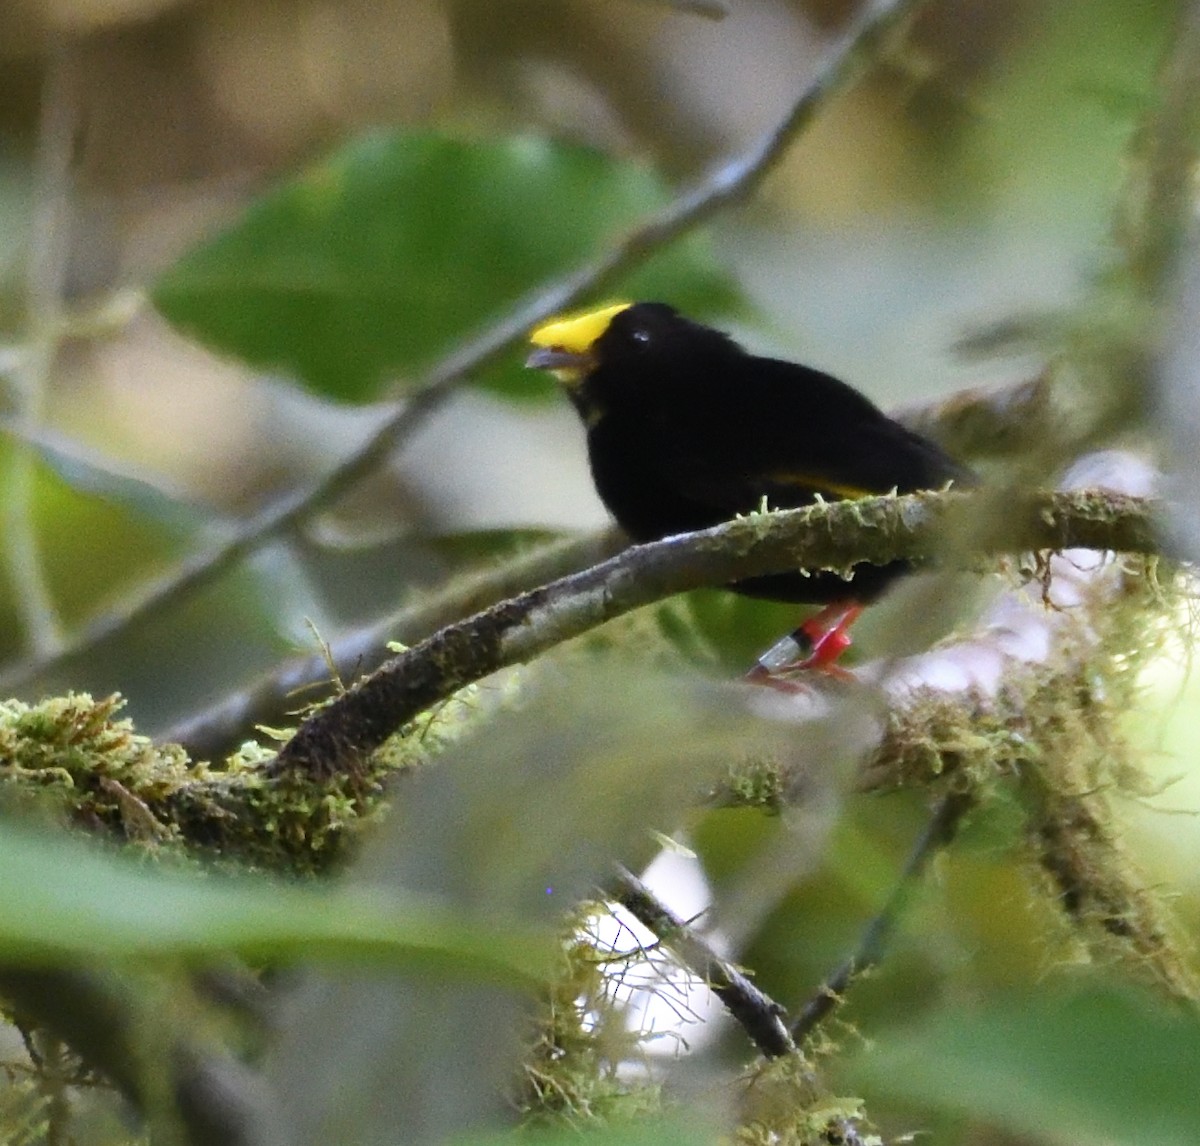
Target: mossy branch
{"points": [[1080, 848], [219, 728], [835, 536], [974, 423]]}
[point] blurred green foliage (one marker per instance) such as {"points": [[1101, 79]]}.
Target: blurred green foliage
{"points": [[368, 266], [380, 258], [1101, 1065], [64, 902]]}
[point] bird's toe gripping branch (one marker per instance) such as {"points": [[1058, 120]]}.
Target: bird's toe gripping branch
{"points": [[816, 644]]}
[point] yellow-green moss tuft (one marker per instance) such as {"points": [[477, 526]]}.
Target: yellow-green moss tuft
{"points": [[785, 1104], [576, 1071]]}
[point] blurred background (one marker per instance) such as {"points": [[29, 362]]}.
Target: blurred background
{"points": [[171, 365], [971, 178]]}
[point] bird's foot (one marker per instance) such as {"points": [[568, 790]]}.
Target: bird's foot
{"points": [[774, 678], [816, 644]]}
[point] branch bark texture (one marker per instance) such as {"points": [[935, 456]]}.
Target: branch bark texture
{"points": [[754, 1011], [825, 536], [982, 422]]}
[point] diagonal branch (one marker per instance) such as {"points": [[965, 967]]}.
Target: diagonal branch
{"points": [[940, 830], [729, 182], [45, 275], [825, 536], [219, 728], [755, 1012], [970, 424]]}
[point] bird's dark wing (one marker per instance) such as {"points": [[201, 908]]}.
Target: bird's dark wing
{"points": [[822, 438]]}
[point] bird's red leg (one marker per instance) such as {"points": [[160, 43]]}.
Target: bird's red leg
{"points": [[816, 644], [829, 633]]}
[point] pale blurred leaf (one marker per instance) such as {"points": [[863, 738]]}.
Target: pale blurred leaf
{"points": [[1092, 1067]]}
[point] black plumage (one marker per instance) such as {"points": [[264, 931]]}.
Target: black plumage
{"points": [[685, 429]]}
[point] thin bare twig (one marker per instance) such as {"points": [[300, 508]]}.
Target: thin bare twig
{"points": [[938, 832], [755, 1012], [45, 276], [727, 183], [825, 536]]}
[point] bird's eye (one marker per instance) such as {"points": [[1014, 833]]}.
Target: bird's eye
{"points": [[642, 336]]}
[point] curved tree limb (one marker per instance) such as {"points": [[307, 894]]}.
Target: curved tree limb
{"points": [[825, 536], [219, 728], [755, 1012], [979, 422]]}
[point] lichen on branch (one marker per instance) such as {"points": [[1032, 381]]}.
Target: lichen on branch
{"points": [[832, 536]]}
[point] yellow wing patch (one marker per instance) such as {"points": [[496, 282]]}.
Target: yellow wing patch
{"points": [[576, 334], [819, 484]]}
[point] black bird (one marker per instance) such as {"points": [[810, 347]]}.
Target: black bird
{"points": [[685, 429]]}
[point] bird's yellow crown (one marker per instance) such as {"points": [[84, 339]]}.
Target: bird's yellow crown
{"points": [[576, 333]]}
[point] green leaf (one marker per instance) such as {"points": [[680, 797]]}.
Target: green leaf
{"points": [[96, 547], [473, 545], [1097, 1067], [62, 901], [91, 472], [374, 262]]}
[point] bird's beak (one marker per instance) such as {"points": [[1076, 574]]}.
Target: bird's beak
{"points": [[555, 358], [564, 345]]}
